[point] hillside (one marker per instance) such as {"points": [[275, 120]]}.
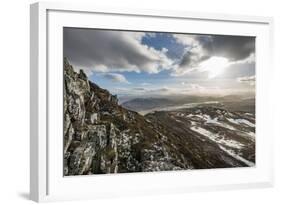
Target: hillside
{"points": [[101, 136]]}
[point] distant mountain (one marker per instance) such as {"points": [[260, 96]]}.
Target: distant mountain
{"points": [[139, 104], [101, 136], [232, 102], [246, 105]]}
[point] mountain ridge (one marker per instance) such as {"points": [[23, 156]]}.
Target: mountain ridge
{"points": [[101, 136]]}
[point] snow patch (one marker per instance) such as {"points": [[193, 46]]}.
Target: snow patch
{"points": [[236, 156], [241, 121], [217, 138], [208, 120], [222, 143]]}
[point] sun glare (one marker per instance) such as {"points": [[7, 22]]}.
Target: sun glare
{"points": [[214, 66]]}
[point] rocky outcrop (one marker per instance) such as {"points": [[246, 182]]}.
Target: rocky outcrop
{"points": [[100, 136]]}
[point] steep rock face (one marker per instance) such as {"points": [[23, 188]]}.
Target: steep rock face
{"points": [[101, 136]]}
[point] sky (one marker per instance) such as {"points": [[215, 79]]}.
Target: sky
{"points": [[149, 64]]}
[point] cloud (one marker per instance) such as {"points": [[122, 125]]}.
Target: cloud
{"points": [[151, 90], [199, 48], [163, 89], [112, 51], [187, 39], [186, 88], [115, 77], [194, 89], [251, 80], [139, 89], [249, 60], [145, 84], [150, 34], [182, 89], [108, 51], [193, 55], [191, 85], [234, 48]]}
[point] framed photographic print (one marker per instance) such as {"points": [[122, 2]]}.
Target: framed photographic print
{"points": [[151, 101]]}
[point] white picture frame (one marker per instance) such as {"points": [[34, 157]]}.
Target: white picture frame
{"points": [[46, 177]]}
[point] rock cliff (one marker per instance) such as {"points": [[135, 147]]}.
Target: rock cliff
{"points": [[102, 137]]}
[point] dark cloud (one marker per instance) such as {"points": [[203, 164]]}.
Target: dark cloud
{"points": [[203, 47], [139, 89], [192, 59], [251, 80], [115, 77], [232, 47], [189, 58], [106, 51]]}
